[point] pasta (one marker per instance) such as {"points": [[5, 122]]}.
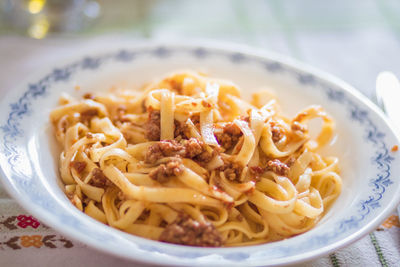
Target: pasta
{"points": [[186, 160]]}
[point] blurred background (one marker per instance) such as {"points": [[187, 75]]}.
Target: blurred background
{"points": [[351, 39]]}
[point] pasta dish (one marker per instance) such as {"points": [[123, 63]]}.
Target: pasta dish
{"points": [[186, 160]]}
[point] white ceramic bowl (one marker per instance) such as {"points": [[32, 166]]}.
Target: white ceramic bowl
{"points": [[370, 171]]}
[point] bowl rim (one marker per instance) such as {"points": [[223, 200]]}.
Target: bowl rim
{"points": [[234, 48]]}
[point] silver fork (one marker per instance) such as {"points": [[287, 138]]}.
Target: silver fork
{"points": [[388, 97]]}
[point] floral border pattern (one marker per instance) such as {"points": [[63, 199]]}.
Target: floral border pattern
{"points": [[382, 159]]}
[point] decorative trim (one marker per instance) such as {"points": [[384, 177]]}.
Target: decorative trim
{"points": [[21, 221], [38, 241], [378, 250], [334, 260]]}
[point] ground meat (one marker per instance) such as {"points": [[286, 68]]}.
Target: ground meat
{"points": [[232, 129], [197, 150], [99, 179], [192, 148], [232, 170], [87, 115], [165, 171], [276, 132], [181, 130], [196, 120], [256, 172], [204, 157], [228, 136], [79, 166], [278, 167], [120, 114], [186, 231], [152, 126], [296, 126], [167, 148]]}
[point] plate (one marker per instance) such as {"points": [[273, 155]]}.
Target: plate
{"points": [[369, 169]]}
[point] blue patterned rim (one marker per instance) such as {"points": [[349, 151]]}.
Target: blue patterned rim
{"points": [[22, 108]]}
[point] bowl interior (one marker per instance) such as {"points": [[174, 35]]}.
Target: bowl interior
{"points": [[295, 89], [250, 78]]}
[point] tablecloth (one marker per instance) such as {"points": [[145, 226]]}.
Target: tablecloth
{"points": [[353, 40]]}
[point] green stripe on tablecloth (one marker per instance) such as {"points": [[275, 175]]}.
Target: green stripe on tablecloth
{"points": [[378, 250], [334, 260]]}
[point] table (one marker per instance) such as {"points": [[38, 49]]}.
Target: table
{"points": [[353, 40]]}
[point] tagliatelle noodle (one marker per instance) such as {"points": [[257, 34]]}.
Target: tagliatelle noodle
{"points": [[239, 167]]}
